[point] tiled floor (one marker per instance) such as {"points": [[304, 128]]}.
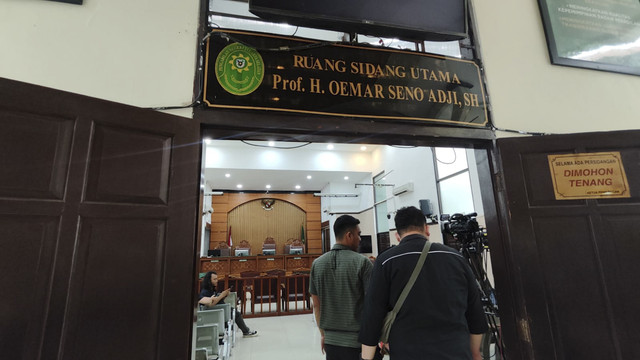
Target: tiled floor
{"points": [[292, 337]]}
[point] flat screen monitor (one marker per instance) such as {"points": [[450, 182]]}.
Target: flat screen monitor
{"points": [[295, 250], [365, 244], [242, 252], [268, 251], [438, 20]]}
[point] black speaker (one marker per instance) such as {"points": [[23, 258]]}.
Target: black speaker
{"points": [[438, 20], [426, 208]]}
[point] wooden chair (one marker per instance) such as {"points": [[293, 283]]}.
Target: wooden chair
{"points": [[265, 290], [287, 246], [246, 286], [296, 288], [268, 244], [224, 248], [296, 244], [244, 244]]}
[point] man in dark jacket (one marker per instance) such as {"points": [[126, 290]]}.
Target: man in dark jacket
{"points": [[442, 317]]}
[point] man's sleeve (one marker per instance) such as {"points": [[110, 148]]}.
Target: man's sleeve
{"points": [[312, 285], [476, 319], [365, 274], [375, 307], [202, 294]]}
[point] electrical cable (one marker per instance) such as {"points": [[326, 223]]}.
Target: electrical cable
{"points": [[520, 131], [276, 147], [455, 157]]}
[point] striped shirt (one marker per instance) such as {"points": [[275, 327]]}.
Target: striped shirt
{"points": [[339, 278]]}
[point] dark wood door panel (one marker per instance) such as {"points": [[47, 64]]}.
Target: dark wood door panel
{"points": [[111, 293], [574, 291], [575, 279], [619, 251], [128, 166], [121, 186], [35, 153], [26, 243]]}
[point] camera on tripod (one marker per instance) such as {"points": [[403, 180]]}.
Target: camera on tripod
{"points": [[463, 232]]}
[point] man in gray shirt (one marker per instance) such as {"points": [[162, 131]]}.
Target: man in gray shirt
{"points": [[337, 284]]}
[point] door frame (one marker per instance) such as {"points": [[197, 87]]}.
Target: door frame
{"points": [[223, 125]]}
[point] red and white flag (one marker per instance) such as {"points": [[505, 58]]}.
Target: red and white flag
{"points": [[229, 241]]}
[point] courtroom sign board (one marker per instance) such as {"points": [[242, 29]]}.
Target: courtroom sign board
{"points": [[588, 176], [256, 71]]}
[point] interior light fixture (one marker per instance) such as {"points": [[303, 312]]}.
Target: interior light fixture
{"points": [[297, 187], [271, 143], [363, 148], [268, 186], [346, 178], [227, 175], [308, 177], [207, 141], [239, 186], [330, 147], [213, 193]]}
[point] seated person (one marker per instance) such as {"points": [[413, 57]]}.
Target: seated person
{"points": [[209, 297]]}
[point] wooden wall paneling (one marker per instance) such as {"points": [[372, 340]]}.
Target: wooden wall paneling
{"points": [[227, 202], [238, 265], [220, 266], [270, 263], [251, 222], [296, 262]]}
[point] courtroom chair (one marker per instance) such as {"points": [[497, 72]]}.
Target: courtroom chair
{"points": [[296, 288], [201, 353], [232, 300], [244, 244], [247, 284], [265, 290], [225, 250], [269, 244], [295, 244], [212, 316], [207, 340], [287, 245]]}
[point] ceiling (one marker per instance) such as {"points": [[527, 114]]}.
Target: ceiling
{"points": [[253, 179]]}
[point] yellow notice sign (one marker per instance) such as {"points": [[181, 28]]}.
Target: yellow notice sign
{"points": [[588, 176]]}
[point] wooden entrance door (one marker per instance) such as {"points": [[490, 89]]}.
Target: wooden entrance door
{"points": [[573, 263], [97, 227]]}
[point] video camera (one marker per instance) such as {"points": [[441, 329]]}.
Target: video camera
{"points": [[463, 231]]}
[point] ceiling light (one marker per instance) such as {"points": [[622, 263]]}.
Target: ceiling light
{"points": [[239, 186], [363, 148], [271, 143], [227, 175], [308, 177], [346, 178], [330, 147], [297, 187], [268, 186], [207, 141]]}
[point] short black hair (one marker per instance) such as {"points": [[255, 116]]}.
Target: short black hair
{"points": [[409, 218], [343, 224]]}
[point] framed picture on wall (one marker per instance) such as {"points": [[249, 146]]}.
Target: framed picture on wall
{"points": [[593, 34]]}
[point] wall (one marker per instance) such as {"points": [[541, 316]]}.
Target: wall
{"points": [[144, 53], [141, 53], [225, 203], [407, 165], [528, 93]]}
